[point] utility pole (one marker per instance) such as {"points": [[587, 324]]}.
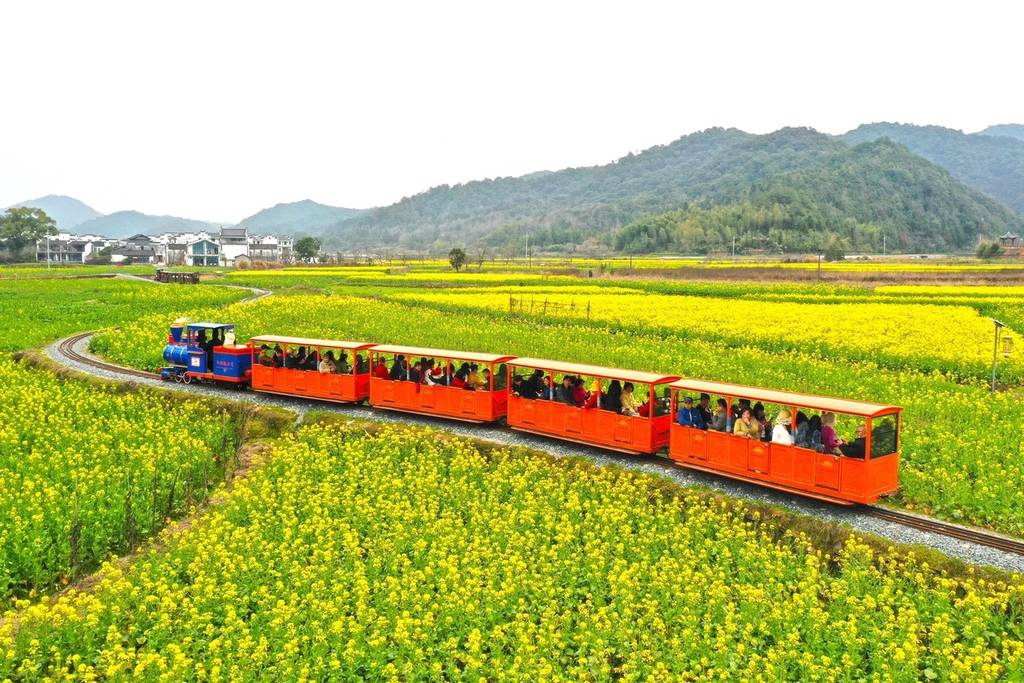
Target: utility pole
{"points": [[995, 352], [734, 247], [883, 244], [529, 260], [819, 265], [47, 253]]}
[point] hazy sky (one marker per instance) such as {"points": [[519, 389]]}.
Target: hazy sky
{"points": [[215, 109]]}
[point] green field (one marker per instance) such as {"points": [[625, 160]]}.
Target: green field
{"points": [[354, 552]]}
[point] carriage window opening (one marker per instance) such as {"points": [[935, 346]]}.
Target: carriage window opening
{"points": [[662, 401], [501, 377], [883, 435]]}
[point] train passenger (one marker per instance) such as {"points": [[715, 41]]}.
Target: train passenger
{"points": [[814, 433], [547, 393], [327, 365], [380, 370], [579, 393], [629, 403], [747, 426], [277, 360], [297, 360], [689, 416], [534, 384], [563, 393], [705, 409], [266, 358], [594, 396], [612, 400], [311, 360], [473, 380], [362, 364], [430, 373], [857, 447], [781, 433], [343, 368], [398, 369], [830, 441], [487, 379], [758, 414], [720, 419], [802, 437], [501, 377], [517, 385], [415, 373], [459, 380]]}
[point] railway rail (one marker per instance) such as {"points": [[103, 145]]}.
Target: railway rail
{"points": [[977, 536], [67, 349]]}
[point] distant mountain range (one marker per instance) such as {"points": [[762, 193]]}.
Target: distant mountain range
{"points": [[915, 187], [777, 187], [295, 218], [127, 223], [68, 212], [1010, 130], [990, 162], [305, 217]]}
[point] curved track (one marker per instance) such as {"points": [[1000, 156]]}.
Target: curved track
{"points": [[962, 542]]}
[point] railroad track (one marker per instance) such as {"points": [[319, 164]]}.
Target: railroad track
{"points": [[66, 348], [934, 526], [1005, 544]]}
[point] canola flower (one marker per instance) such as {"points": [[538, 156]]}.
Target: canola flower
{"points": [[922, 336], [404, 556], [959, 459], [88, 471], [34, 312]]}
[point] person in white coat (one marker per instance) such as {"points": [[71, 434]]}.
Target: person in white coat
{"points": [[781, 433]]}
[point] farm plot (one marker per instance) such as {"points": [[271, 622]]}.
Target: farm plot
{"points": [[961, 464], [400, 555], [86, 471], [34, 312]]}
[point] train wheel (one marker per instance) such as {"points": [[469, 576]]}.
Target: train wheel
{"points": [[186, 378], [177, 377]]}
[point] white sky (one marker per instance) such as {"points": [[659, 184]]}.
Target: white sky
{"points": [[215, 110]]}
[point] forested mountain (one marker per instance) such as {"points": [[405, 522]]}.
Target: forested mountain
{"points": [[809, 185], [68, 212], [128, 223], [1009, 130], [994, 165], [857, 196], [302, 217]]}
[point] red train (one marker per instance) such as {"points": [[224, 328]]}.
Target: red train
{"points": [[485, 388]]}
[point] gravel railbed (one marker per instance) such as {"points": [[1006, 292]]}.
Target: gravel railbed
{"points": [[962, 550]]}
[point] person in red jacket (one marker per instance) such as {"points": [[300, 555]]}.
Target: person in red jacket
{"points": [[579, 393], [380, 371]]}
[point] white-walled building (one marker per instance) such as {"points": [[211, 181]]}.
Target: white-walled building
{"points": [[228, 247]]}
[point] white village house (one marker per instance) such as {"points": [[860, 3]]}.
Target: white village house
{"points": [[229, 247]]}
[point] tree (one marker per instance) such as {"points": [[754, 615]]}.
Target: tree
{"points": [[307, 248], [24, 225], [456, 257], [835, 249], [988, 250]]}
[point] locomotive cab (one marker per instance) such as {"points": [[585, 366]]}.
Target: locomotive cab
{"points": [[205, 351]]}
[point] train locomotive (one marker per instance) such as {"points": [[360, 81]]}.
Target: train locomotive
{"points": [[206, 352], [521, 392]]}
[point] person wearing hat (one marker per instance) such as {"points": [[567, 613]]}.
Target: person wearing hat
{"points": [[781, 433], [690, 416]]}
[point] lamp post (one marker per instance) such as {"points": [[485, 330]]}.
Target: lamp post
{"points": [[995, 351]]}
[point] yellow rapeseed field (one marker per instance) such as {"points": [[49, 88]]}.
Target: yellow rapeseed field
{"points": [[403, 556]]}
